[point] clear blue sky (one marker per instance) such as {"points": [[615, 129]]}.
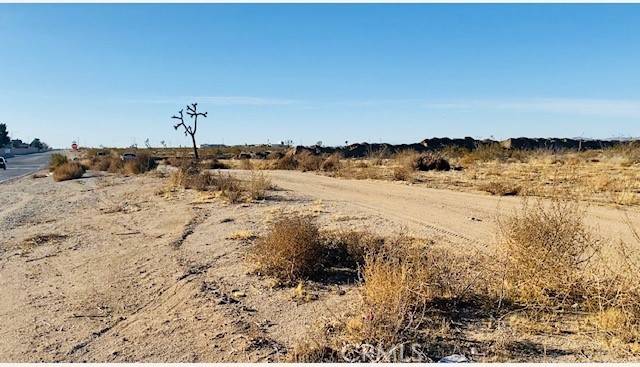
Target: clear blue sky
{"points": [[114, 74]]}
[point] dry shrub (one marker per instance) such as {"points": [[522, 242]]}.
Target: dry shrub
{"points": [[404, 283], [431, 162], [331, 163], [141, 164], [213, 164], [501, 188], [229, 187], [407, 159], [555, 266], [486, 153], [275, 155], [291, 249], [116, 165], [246, 164], [359, 171], [548, 250], [258, 186], [312, 351], [56, 161], [410, 161], [308, 161], [403, 173], [179, 161], [101, 163], [68, 171], [349, 247], [287, 162]]}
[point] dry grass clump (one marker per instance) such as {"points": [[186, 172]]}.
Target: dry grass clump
{"points": [[409, 161], [68, 171], [331, 163], [291, 249], [101, 163], [258, 185], [500, 188], [431, 162], [402, 173], [486, 153], [141, 164], [629, 153], [313, 351], [404, 284], [555, 266], [179, 161], [308, 161], [213, 164], [359, 171], [229, 187], [305, 161], [246, 164], [548, 249], [56, 161], [287, 162], [350, 247]]}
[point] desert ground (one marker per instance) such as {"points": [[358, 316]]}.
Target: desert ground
{"points": [[116, 267]]}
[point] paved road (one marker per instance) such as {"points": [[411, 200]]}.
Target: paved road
{"points": [[24, 164]]}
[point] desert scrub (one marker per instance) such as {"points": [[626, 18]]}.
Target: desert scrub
{"points": [[56, 161], [409, 161], [291, 250], [331, 163], [229, 187], [556, 266], [407, 285], [68, 171], [141, 164], [548, 249], [308, 161], [500, 188], [258, 186]]}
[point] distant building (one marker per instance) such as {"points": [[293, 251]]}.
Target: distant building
{"points": [[213, 146]]}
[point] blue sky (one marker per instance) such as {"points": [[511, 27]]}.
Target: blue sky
{"points": [[114, 74]]}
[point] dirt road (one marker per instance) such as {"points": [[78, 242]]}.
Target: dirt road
{"points": [[458, 217]]}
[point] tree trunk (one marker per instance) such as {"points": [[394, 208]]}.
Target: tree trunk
{"points": [[195, 147]]}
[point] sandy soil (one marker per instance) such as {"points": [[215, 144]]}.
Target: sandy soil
{"points": [[110, 268]]}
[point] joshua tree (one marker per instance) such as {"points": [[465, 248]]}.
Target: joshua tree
{"points": [[192, 111]]}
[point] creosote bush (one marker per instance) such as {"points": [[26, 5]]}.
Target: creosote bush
{"points": [[68, 171]]}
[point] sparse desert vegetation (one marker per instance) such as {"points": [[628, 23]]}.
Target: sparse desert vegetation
{"points": [[68, 171], [324, 267]]}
